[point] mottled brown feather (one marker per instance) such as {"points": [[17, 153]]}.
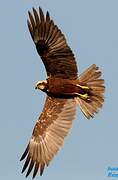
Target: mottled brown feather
{"points": [[49, 132]]}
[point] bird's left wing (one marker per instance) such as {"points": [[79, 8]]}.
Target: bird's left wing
{"points": [[49, 132], [52, 46]]}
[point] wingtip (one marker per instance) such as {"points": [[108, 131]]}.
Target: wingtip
{"points": [[29, 13], [25, 153], [26, 164], [47, 15], [36, 168], [40, 9], [42, 18], [30, 167], [22, 171], [22, 157], [34, 10], [26, 176], [28, 23], [42, 169]]}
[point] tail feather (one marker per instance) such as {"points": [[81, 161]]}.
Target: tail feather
{"points": [[87, 108], [96, 88], [86, 75], [96, 82], [96, 76]]}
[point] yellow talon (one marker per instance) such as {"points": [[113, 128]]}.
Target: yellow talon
{"points": [[84, 96], [83, 87]]}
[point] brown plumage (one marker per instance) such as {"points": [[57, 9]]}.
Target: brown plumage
{"points": [[52, 126], [52, 46], [64, 89]]}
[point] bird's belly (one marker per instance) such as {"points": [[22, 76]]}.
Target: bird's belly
{"points": [[63, 87], [66, 89]]}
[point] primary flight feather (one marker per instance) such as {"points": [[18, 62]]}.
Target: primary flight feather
{"points": [[64, 89]]}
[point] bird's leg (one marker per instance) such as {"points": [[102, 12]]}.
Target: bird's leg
{"points": [[83, 96], [83, 87]]}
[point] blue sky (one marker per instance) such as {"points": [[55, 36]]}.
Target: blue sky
{"points": [[91, 28]]}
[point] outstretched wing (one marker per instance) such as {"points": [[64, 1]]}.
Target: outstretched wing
{"points": [[49, 133], [51, 45]]}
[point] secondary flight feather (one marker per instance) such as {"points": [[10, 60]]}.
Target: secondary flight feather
{"points": [[64, 89]]}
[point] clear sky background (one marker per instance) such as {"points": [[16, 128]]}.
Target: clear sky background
{"points": [[91, 28]]}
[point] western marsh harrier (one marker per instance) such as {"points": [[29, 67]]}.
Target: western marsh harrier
{"points": [[64, 90]]}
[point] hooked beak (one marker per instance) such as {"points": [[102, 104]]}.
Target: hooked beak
{"points": [[36, 87]]}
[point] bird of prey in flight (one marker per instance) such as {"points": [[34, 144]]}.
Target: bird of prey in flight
{"points": [[64, 89]]}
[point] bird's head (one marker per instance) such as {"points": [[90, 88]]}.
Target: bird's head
{"points": [[42, 85]]}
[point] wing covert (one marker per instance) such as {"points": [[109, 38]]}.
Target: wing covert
{"points": [[49, 132], [51, 45]]}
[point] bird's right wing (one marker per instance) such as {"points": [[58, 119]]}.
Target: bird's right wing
{"points": [[49, 133], [51, 45]]}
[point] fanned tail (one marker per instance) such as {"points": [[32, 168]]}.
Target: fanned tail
{"points": [[90, 78]]}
